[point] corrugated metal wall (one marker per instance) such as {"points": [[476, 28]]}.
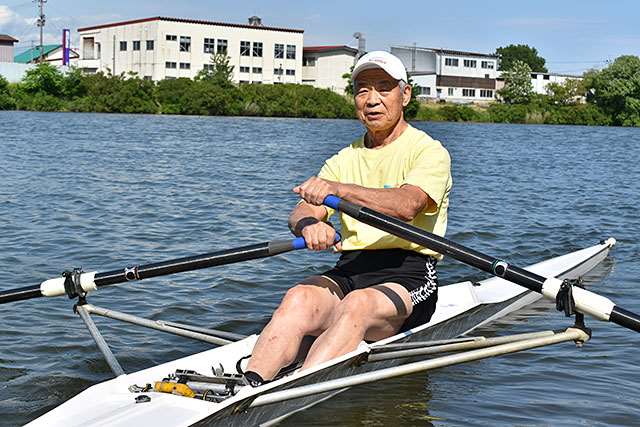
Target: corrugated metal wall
{"points": [[6, 52]]}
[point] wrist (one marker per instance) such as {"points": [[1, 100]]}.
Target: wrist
{"points": [[302, 223]]}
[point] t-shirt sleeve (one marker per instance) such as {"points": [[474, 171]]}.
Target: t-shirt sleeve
{"points": [[431, 172]]}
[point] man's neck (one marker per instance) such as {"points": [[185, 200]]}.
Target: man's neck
{"points": [[381, 138]]}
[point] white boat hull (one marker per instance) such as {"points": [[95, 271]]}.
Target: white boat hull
{"points": [[462, 307]]}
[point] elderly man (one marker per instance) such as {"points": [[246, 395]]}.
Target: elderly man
{"points": [[381, 284]]}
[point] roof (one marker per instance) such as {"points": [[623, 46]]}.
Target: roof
{"points": [[7, 38], [188, 21], [34, 53], [319, 49], [449, 51]]}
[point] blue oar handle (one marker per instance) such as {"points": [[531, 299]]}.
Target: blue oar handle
{"points": [[299, 243]]}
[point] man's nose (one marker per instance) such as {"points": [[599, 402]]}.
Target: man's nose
{"points": [[373, 98]]}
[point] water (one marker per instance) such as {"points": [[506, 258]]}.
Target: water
{"points": [[104, 191]]}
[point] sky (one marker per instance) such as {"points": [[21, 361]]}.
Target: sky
{"points": [[571, 35]]}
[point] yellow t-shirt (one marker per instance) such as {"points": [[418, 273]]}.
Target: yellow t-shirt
{"points": [[413, 158]]}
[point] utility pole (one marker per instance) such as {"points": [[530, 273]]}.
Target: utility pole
{"points": [[40, 23]]}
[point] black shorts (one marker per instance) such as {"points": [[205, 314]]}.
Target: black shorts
{"points": [[414, 271]]}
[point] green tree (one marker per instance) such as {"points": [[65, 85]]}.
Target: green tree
{"points": [[567, 93], [218, 72], [348, 90], [616, 90], [6, 100], [517, 84], [520, 52], [44, 79]]}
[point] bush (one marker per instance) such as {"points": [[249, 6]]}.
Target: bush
{"points": [[507, 113]]}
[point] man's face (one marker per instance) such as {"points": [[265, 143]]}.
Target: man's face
{"points": [[379, 100]]}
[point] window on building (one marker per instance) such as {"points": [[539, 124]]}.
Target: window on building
{"points": [[291, 72], [451, 62], [222, 46], [278, 71], [147, 78], [424, 91], [170, 65], [209, 45], [469, 92], [244, 82], [256, 82], [278, 51], [450, 91], [150, 44], [244, 69], [545, 76], [308, 62], [172, 38], [534, 76], [470, 63], [291, 51], [257, 49], [487, 65], [136, 45], [486, 93], [185, 44], [169, 78], [185, 66], [208, 67], [257, 70], [245, 48], [123, 46]]}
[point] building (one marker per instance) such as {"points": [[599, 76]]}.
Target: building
{"points": [[324, 66], [161, 47], [541, 80], [6, 48], [450, 75], [52, 53]]}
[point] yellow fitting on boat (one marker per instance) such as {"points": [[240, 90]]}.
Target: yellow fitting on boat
{"points": [[174, 388]]}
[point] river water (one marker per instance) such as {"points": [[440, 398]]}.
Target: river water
{"points": [[105, 191]]}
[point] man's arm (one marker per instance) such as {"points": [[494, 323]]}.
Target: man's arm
{"points": [[306, 220], [403, 203]]}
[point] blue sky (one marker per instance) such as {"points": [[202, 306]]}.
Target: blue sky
{"points": [[571, 35]]}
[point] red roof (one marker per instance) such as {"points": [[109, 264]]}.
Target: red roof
{"points": [[7, 38], [318, 49], [189, 21]]}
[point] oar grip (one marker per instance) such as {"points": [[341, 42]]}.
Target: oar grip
{"points": [[335, 202], [299, 243]]}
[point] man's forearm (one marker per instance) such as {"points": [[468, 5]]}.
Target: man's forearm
{"points": [[305, 210], [403, 203]]}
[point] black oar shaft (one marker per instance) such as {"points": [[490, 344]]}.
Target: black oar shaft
{"points": [[469, 256], [146, 271]]}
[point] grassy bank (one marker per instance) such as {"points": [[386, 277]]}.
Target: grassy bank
{"points": [[534, 113]]}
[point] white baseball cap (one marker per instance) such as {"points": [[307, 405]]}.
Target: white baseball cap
{"points": [[380, 59]]}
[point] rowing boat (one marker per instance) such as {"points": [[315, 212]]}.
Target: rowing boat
{"points": [[129, 400]]}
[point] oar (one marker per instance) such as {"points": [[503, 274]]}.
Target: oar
{"points": [[585, 301], [78, 283]]}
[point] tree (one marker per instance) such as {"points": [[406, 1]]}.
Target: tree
{"points": [[567, 93], [616, 89], [45, 79], [348, 90], [517, 84], [218, 72], [520, 52]]}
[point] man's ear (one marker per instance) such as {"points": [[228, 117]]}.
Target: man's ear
{"points": [[406, 95]]}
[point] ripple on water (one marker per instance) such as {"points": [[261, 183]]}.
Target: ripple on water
{"points": [[150, 188]]}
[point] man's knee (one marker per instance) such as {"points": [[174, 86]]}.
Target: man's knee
{"points": [[357, 305], [297, 299]]}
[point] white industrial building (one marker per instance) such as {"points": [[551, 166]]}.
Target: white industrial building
{"points": [[161, 48], [324, 66], [541, 80], [6, 47], [450, 75]]}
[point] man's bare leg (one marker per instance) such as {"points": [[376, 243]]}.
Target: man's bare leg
{"points": [[305, 310], [366, 313]]}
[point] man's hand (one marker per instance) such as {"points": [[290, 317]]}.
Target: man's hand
{"points": [[320, 236], [314, 190]]}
